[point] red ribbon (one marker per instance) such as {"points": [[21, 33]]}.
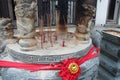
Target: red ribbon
{"points": [[63, 66]]}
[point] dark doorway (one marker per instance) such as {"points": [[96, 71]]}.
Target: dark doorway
{"points": [[4, 10], [111, 9]]}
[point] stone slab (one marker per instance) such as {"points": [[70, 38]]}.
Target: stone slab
{"points": [[106, 75], [115, 59], [89, 71], [112, 38], [110, 65], [110, 48]]}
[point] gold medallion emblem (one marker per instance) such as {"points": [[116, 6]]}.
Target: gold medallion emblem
{"points": [[73, 68]]}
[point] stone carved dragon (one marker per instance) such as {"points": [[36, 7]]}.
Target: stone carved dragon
{"points": [[25, 11], [25, 14]]}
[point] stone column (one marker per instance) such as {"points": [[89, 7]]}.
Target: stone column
{"points": [[84, 14], [25, 11]]}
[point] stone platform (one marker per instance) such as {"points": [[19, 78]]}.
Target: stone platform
{"points": [[110, 56], [48, 55], [89, 68]]}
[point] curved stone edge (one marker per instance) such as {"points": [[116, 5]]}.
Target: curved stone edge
{"points": [[89, 69], [46, 58]]}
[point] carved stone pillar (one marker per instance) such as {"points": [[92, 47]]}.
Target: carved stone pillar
{"points": [[25, 11]]}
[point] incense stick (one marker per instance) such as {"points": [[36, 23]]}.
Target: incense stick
{"points": [[50, 29], [48, 26], [41, 31], [57, 24]]}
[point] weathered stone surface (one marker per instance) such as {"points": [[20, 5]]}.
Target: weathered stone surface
{"points": [[6, 33], [89, 71], [28, 44], [89, 68], [110, 48], [6, 28], [111, 37], [106, 75], [84, 14], [96, 36], [25, 14], [25, 11], [115, 59], [110, 65], [46, 56]]}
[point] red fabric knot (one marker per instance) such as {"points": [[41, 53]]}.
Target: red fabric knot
{"points": [[70, 69]]}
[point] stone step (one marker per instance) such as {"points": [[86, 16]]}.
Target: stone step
{"points": [[110, 48], [116, 59], [110, 65], [106, 75]]}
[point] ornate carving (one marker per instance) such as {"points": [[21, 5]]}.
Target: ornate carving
{"points": [[25, 14], [25, 11], [6, 28], [84, 17], [6, 33]]}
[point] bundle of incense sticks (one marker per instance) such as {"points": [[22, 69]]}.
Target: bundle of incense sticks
{"points": [[49, 20], [42, 34], [41, 31], [51, 30]]}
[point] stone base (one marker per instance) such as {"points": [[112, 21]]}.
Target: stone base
{"points": [[112, 36], [48, 55], [89, 68], [110, 65], [110, 48], [106, 75], [28, 44], [89, 72]]}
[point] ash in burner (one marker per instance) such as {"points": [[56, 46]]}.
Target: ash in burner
{"points": [[49, 40], [112, 32]]}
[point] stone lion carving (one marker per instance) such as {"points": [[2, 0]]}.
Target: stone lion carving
{"points": [[6, 28], [84, 22], [6, 33]]}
